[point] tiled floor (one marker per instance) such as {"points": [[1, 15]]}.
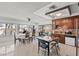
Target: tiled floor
{"points": [[8, 48]]}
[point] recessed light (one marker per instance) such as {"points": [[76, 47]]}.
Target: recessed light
{"points": [[59, 14], [52, 7]]}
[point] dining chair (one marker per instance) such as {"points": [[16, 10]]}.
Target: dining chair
{"points": [[16, 38], [55, 44], [30, 37], [44, 45], [27, 38]]}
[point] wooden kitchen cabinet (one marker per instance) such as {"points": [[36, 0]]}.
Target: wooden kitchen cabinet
{"points": [[68, 23]]}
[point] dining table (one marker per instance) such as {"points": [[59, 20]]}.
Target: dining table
{"points": [[21, 36]]}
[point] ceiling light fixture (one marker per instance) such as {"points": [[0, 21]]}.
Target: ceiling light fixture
{"points": [[59, 14]]}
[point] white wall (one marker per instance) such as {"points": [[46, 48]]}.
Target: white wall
{"points": [[12, 20]]}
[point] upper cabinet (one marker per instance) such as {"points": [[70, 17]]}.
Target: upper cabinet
{"points": [[67, 23]]}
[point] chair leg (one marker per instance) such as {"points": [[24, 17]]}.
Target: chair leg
{"points": [[57, 50], [45, 52], [19, 40], [38, 49], [38, 46], [15, 41], [23, 40], [31, 39]]}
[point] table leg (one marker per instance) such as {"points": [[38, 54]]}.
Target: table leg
{"points": [[38, 46], [48, 50]]}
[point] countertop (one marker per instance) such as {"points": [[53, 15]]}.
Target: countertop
{"points": [[69, 35]]}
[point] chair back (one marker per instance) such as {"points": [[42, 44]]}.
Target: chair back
{"points": [[43, 44]]}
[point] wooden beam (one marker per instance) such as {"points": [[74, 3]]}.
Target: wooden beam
{"points": [[78, 3], [59, 10], [69, 10]]}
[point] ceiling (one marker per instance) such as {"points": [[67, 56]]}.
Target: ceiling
{"points": [[12, 11], [17, 12], [65, 13]]}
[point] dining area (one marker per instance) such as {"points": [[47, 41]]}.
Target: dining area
{"points": [[45, 44], [23, 36], [22, 33], [40, 40]]}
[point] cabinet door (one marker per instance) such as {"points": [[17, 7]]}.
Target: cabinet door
{"points": [[70, 41], [62, 39]]}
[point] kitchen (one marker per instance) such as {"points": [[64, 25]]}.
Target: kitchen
{"points": [[66, 30]]}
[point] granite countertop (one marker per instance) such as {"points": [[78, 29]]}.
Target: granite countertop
{"points": [[70, 35]]}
